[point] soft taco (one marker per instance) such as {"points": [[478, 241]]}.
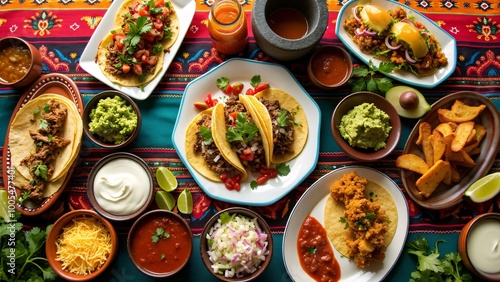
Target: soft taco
{"points": [[360, 219], [161, 14], [129, 64], [284, 122], [238, 126], [216, 162], [44, 140]]}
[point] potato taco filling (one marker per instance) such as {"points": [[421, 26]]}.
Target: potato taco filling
{"points": [[395, 36]]}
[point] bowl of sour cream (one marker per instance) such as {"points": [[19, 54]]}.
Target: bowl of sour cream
{"points": [[479, 246], [120, 186]]}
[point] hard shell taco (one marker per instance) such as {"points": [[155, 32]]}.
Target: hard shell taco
{"points": [[213, 161], [236, 124], [284, 122], [44, 140]]}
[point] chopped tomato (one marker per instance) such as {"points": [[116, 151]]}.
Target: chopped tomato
{"points": [[158, 24], [228, 90], [119, 40], [269, 171], [262, 179], [209, 100], [248, 154], [149, 36], [159, 3], [237, 88], [200, 105], [126, 68], [261, 86], [233, 116], [250, 91], [231, 183], [143, 11]]}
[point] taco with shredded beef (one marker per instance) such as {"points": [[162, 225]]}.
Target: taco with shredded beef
{"points": [[236, 124], [283, 120], [44, 140], [216, 162]]}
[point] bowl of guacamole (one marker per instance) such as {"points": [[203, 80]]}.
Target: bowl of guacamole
{"points": [[111, 119], [366, 126]]}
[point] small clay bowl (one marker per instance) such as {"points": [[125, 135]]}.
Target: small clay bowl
{"points": [[264, 228], [180, 240], [478, 241], [139, 180], [280, 48], [56, 231], [34, 70], [347, 104], [93, 104], [329, 67]]}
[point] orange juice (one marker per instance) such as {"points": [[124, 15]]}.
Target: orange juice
{"points": [[227, 26]]}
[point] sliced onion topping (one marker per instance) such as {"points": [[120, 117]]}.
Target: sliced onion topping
{"points": [[355, 13], [408, 57], [388, 44]]}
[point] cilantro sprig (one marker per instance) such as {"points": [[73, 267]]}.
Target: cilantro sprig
{"points": [[160, 233], [244, 129], [206, 135], [135, 31], [364, 78], [431, 267]]}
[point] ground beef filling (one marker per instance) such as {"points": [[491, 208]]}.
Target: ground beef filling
{"points": [[283, 135], [210, 152], [234, 105]]}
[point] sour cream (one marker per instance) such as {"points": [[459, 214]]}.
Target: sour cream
{"points": [[121, 186], [483, 245]]}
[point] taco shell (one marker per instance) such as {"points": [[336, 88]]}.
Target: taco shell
{"points": [[287, 101]]}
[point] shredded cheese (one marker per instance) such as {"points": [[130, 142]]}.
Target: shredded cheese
{"points": [[83, 246]]}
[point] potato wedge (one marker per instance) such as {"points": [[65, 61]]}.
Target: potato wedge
{"points": [[438, 143], [429, 181], [460, 112], [446, 128], [425, 131], [462, 134], [412, 162]]}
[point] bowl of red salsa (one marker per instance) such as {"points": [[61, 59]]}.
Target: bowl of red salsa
{"points": [[160, 243], [20, 62], [329, 67]]}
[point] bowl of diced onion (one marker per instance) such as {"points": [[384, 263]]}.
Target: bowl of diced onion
{"points": [[236, 245]]}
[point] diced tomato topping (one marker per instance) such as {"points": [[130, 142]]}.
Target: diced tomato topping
{"points": [[233, 116], [231, 183], [158, 24], [119, 40], [250, 91], [248, 154], [149, 36], [200, 105], [261, 86], [262, 179], [209, 100], [143, 11], [266, 174], [223, 176], [229, 89], [159, 3], [237, 88]]}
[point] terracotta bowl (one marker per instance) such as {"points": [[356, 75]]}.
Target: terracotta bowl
{"points": [[139, 241], [316, 14], [475, 241], [55, 232], [35, 66], [93, 104], [329, 67], [264, 228], [347, 104], [94, 187]]}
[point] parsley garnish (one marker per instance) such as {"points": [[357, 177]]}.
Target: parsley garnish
{"points": [[244, 130], [46, 108], [157, 49], [160, 233], [364, 78], [254, 185], [255, 80], [282, 169], [282, 118], [224, 217], [206, 135], [222, 83], [344, 220], [51, 138], [41, 171], [141, 26], [311, 250]]}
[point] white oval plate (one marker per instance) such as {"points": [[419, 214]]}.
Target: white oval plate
{"points": [[313, 203], [242, 70], [185, 11], [448, 44]]}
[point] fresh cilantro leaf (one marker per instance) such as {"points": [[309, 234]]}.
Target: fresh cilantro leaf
{"points": [[361, 71], [210, 242], [51, 138], [223, 83], [384, 84], [206, 135], [365, 79], [44, 125], [41, 171], [344, 220], [311, 250], [282, 169], [244, 130], [386, 67], [159, 231], [135, 31], [371, 85], [254, 185], [36, 112], [155, 238], [157, 49], [46, 108], [255, 80], [282, 118], [167, 32], [162, 256], [371, 215], [359, 85], [224, 217]]}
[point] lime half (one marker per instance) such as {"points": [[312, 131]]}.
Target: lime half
{"points": [[484, 188], [4, 205], [165, 200], [185, 202], [166, 179]]}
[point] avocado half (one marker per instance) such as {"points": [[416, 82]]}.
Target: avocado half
{"points": [[420, 105], [376, 18], [410, 35]]}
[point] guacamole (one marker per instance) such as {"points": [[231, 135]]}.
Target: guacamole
{"points": [[113, 119], [366, 127]]}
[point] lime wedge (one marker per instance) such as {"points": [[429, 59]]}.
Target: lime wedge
{"points": [[166, 179], [185, 202], [165, 200], [484, 188], [4, 205]]}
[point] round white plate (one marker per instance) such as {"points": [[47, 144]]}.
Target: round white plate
{"points": [[313, 203]]}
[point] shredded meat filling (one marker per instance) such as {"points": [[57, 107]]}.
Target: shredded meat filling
{"points": [[282, 133]]}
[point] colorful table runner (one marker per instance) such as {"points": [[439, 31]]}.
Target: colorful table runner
{"points": [[60, 30]]}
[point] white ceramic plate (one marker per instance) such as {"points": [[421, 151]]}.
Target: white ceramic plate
{"points": [[185, 11], [313, 203], [242, 70], [448, 44]]}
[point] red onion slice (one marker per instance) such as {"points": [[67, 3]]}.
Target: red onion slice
{"points": [[408, 58], [388, 44], [355, 13], [408, 21]]}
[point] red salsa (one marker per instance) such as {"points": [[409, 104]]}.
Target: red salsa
{"points": [[15, 62], [329, 68], [315, 252], [161, 244]]}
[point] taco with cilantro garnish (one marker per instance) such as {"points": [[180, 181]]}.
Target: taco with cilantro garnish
{"points": [[216, 162], [236, 125], [284, 122]]}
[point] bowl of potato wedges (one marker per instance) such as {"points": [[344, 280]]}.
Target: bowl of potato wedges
{"points": [[449, 148]]}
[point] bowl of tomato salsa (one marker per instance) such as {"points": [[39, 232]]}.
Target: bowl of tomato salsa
{"points": [[20, 62], [160, 243], [329, 67]]}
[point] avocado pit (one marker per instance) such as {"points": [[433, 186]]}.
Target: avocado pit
{"points": [[408, 100]]}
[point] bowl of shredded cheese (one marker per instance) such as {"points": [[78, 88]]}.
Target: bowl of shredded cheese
{"points": [[80, 245], [236, 245]]}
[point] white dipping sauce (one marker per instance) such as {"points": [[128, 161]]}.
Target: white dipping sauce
{"points": [[121, 186], [483, 245]]}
